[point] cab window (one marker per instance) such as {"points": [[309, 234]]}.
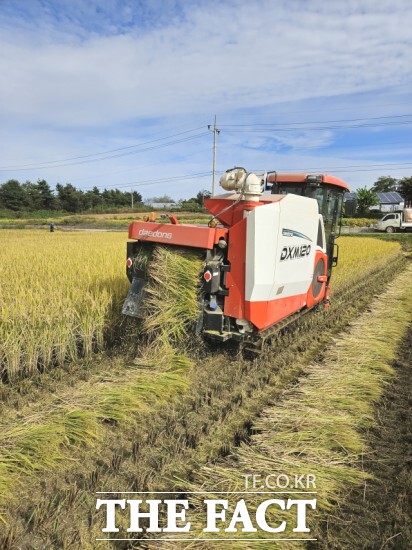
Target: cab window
{"points": [[389, 217], [285, 189], [330, 205], [328, 197]]}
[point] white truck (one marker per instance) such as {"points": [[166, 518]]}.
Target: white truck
{"points": [[395, 221]]}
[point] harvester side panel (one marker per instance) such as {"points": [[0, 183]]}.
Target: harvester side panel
{"points": [[261, 251], [280, 258], [297, 239], [235, 278]]}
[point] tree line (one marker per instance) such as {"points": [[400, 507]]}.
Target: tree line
{"points": [[31, 197]]}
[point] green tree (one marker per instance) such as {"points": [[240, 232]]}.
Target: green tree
{"points": [[70, 198], [12, 195], [384, 184], [137, 197], [405, 185], [45, 194], [201, 196], [92, 199], [365, 199], [31, 196]]}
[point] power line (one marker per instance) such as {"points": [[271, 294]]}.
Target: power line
{"points": [[141, 183], [336, 170], [341, 145], [259, 130], [406, 164], [232, 128], [185, 177], [155, 163], [327, 108], [368, 170], [247, 128], [222, 146], [175, 142], [348, 167], [183, 140], [315, 121], [33, 165]]}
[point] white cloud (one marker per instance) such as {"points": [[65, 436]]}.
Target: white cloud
{"points": [[252, 54], [79, 80]]}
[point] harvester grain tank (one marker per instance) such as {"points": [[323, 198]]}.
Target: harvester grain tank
{"points": [[268, 256]]}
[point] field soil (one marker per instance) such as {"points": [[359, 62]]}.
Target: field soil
{"points": [[325, 424], [208, 421], [139, 425]]}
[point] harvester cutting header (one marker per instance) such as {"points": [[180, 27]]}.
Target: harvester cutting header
{"points": [[268, 256]]}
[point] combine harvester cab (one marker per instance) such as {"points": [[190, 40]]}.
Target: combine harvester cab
{"points": [[268, 257]]}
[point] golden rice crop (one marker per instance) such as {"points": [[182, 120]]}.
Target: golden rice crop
{"points": [[358, 256], [59, 293]]}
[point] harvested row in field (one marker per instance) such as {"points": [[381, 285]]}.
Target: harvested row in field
{"points": [[378, 514], [214, 421], [318, 427]]}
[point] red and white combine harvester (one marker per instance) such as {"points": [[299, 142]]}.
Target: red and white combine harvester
{"points": [[268, 257]]}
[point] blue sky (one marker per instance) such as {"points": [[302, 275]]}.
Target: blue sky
{"points": [[130, 87]]}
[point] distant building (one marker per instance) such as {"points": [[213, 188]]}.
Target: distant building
{"points": [[162, 205], [388, 202]]}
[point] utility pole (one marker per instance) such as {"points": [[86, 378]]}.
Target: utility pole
{"points": [[131, 192], [215, 133]]}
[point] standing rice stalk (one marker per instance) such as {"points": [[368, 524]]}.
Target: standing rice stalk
{"points": [[60, 296]]}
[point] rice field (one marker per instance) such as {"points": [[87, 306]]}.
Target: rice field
{"points": [[169, 410], [60, 297], [61, 293]]}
